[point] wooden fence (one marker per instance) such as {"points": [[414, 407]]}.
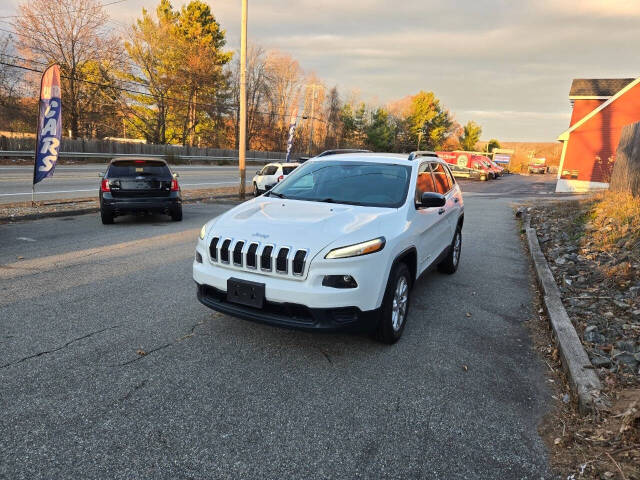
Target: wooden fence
{"points": [[626, 170]]}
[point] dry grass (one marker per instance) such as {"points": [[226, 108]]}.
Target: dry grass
{"points": [[615, 222]]}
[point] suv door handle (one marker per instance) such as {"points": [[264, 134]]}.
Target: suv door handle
{"points": [[441, 211]]}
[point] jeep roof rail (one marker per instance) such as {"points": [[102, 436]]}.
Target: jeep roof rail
{"points": [[338, 151], [421, 153]]}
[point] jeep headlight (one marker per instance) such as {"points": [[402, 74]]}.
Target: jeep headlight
{"points": [[203, 231], [364, 248]]}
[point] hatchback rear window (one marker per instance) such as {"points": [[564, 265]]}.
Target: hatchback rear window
{"points": [[135, 168], [287, 170]]}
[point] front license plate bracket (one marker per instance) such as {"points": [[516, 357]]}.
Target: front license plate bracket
{"points": [[244, 292]]}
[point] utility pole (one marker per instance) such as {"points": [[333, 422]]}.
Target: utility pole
{"points": [[242, 144], [313, 106]]}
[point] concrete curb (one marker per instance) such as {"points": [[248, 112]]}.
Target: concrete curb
{"points": [[83, 211], [583, 380]]}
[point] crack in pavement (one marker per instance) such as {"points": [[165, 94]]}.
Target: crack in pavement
{"points": [[162, 347], [46, 352], [134, 389]]}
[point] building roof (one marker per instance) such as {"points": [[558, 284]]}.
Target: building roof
{"points": [[564, 136], [597, 87]]}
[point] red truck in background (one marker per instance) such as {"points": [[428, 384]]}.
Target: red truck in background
{"points": [[496, 169], [467, 165]]}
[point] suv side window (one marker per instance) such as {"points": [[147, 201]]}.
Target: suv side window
{"points": [[442, 181], [452, 180], [424, 182], [269, 170]]}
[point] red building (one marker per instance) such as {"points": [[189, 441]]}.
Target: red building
{"points": [[601, 108]]}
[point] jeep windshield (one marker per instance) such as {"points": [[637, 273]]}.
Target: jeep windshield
{"points": [[353, 183]]}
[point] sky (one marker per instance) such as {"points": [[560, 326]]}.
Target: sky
{"points": [[506, 64]]}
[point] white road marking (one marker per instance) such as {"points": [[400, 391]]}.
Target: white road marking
{"points": [[26, 239], [46, 192]]}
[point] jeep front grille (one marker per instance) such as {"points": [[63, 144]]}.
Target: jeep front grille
{"points": [[237, 254], [252, 258], [265, 258], [213, 248], [268, 259], [224, 251]]}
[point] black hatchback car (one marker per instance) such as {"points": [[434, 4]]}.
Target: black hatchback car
{"points": [[134, 185]]}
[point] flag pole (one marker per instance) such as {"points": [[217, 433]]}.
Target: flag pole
{"points": [[35, 149]]}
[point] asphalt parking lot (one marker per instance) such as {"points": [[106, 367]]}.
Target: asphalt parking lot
{"points": [[110, 368]]}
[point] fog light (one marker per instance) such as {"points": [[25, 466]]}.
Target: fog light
{"points": [[339, 281], [198, 257]]}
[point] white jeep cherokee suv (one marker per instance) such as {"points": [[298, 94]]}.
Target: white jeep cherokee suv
{"points": [[337, 245]]}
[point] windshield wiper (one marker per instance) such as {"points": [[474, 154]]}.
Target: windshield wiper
{"points": [[279, 195]]}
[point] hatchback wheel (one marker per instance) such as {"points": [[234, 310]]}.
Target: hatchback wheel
{"points": [[106, 216], [256, 192], [176, 214], [395, 305]]}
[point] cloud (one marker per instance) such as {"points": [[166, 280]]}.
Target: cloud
{"points": [[508, 64]]}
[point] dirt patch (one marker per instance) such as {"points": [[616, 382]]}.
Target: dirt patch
{"points": [[597, 271]]}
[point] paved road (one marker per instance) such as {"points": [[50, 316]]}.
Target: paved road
{"points": [[217, 397], [72, 181]]}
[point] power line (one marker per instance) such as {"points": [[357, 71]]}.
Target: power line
{"points": [[70, 11]]}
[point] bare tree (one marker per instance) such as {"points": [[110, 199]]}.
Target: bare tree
{"points": [[72, 33], [284, 78], [257, 93]]}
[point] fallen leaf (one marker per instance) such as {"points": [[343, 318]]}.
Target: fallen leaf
{"points": [[20, 258], [465, 368], [468, 314], [141, 352]]}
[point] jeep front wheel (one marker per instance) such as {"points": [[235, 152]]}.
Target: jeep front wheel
{"points": [[395, 305]]}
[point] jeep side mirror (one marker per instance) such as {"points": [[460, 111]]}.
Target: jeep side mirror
{"points": [[432, 199], [258, 172], [100, 174]]}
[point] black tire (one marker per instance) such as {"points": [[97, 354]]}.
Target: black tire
{"points": [[106, 216], [452, 260], [388, 331], [176, 214], [256, 192]]}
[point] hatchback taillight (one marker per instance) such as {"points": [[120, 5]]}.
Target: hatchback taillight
{"points": [[280, 178], [104, 186], [174, 185]]}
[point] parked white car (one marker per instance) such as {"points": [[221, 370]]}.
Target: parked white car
{"points": [[336, 245], [271, 174]]}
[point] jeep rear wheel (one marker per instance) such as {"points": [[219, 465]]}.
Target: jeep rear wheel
{"points": [[395, 305], [450, 263]]}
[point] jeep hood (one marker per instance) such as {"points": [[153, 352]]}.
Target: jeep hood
{"points": [[300, 224]]}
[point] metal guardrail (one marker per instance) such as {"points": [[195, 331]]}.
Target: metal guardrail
{"points": [[205, 158]]}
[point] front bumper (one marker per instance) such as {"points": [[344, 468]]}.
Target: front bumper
{"points": [[292, 315]]}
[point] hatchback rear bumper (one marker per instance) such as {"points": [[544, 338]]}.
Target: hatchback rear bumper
{"points": [[135, 204]]}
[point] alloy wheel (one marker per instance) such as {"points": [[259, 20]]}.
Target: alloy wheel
{"points": [[400, 299]]}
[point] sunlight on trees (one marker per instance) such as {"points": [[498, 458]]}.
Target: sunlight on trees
{"points": [[168, 79]]}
